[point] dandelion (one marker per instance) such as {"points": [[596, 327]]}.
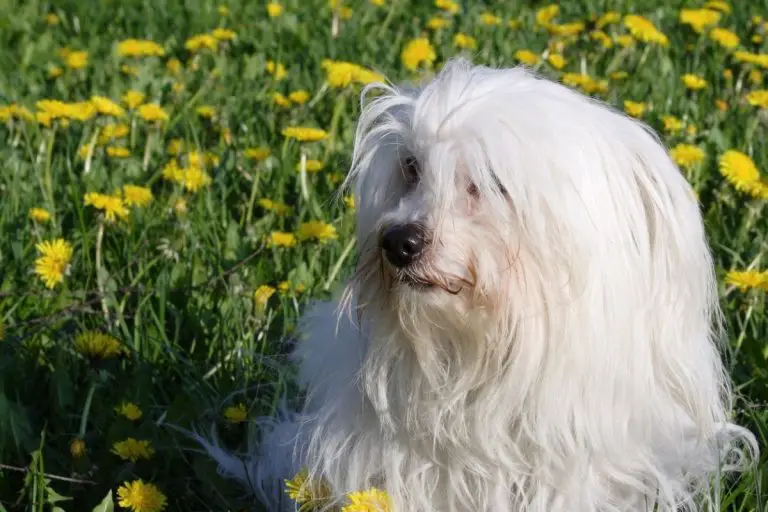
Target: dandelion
{"points": [[464, 41], [546, 14], [624, 40], [173, 66], [687, 155], [129, 410], [79, 111], [280, 100], [724, 37], [257, 154], [152, 112], [747, 279], [51, 19], [223, 10], [317, 230], [490, 19], [132, 99], [39, 215], [76, 60], [112, 132], [137, 196], [53, 262], [139, 48], [112, 205], [236, 413], [274, 9], [133, 450], [721, 105], [342, 74], [261, 296], [417, 52], [201, 42], [304, 134], [277, 208], [672, 124], [311, 166], [556, 60], [141, 497], [206, 111], [602, 38], [299, 97], [372, 500], [699, 19], [224, 34], [97, 345], [527, 57], [758, 98], [567, 29], [437, 23], [634, 108], [718, 5], [54, 72], [619, 75], [740, 171], [281, 239], [448, 6], [305, 493], [118, 152], [644, 30], [276, 69], [608, 18], [759, 59], [693, 82], [77, 448]]}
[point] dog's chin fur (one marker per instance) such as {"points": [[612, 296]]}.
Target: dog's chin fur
{"points": [[559, 348]]}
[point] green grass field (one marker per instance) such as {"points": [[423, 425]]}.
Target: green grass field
{"points": [[168, 305]]}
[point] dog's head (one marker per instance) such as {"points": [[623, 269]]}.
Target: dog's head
{"points": [[493, 194]]}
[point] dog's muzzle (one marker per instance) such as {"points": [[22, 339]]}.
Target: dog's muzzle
{"points": [[403, 244]]}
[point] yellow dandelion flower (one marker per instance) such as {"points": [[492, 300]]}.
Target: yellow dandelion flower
{"points": [[634, 108], [51, 19], [118, 152], [317, 230], [129, 410], [133, 449], [546, 14], [490, 19], [342, 74], [417, 52], [527, 57], [747, 279], [372, 500], [693, 82], [276, 69], [644, 30], [740, 171], [261, 295], [461, 40], [39, 214], [53, 262], [299, 97], [602, 38], [112, 206], [377, 3], [112, 131], [437, 23], [223, 10], [97, 345], [152, 112], [76, 60], [77, 448], [236, 413], [619, 75], [136, 196], [755, 77], [624, 40], [306, 493], [304, 134], [278, 208], [514, 24], [281, 239], [133, 99], [201, 42], [139, 48], [175, 147], [724, 37], [224, 34], [699, 19], [556, 60], [79, 111], [672, 124], [141, 497], [448, 6], [274, 9], [173, 66], [567, 29], [758, 98], [311, 166], [608, 18], [54, 72], [760, 59], [721, 105], [257, 154], [280, 100], [206, 111], [687, 155]]}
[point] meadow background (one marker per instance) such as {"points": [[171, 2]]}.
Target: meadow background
{"points": [[161, 230]]}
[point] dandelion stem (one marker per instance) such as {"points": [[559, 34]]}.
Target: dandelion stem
{"points": [[147, 151], [48, 165], [303, 177], [337, 111], [252, 199], [91, 149], [100, 272], [87, 410]]}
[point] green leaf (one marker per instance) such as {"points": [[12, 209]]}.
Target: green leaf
{"points": [[106, 505]]}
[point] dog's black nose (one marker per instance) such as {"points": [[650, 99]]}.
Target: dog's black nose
{"points": [[403, 244]]}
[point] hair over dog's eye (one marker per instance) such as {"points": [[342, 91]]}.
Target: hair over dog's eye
{"points": [[411, 170]]}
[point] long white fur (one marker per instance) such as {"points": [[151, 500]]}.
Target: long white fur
{"points": [[577, 368]]}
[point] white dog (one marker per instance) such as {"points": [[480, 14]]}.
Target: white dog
{"points": [[536, 322]]}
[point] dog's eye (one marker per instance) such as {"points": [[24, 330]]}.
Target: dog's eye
{"points": [[411, 170]]}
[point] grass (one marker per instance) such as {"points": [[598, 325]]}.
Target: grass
{"points": [[183, 283]]}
